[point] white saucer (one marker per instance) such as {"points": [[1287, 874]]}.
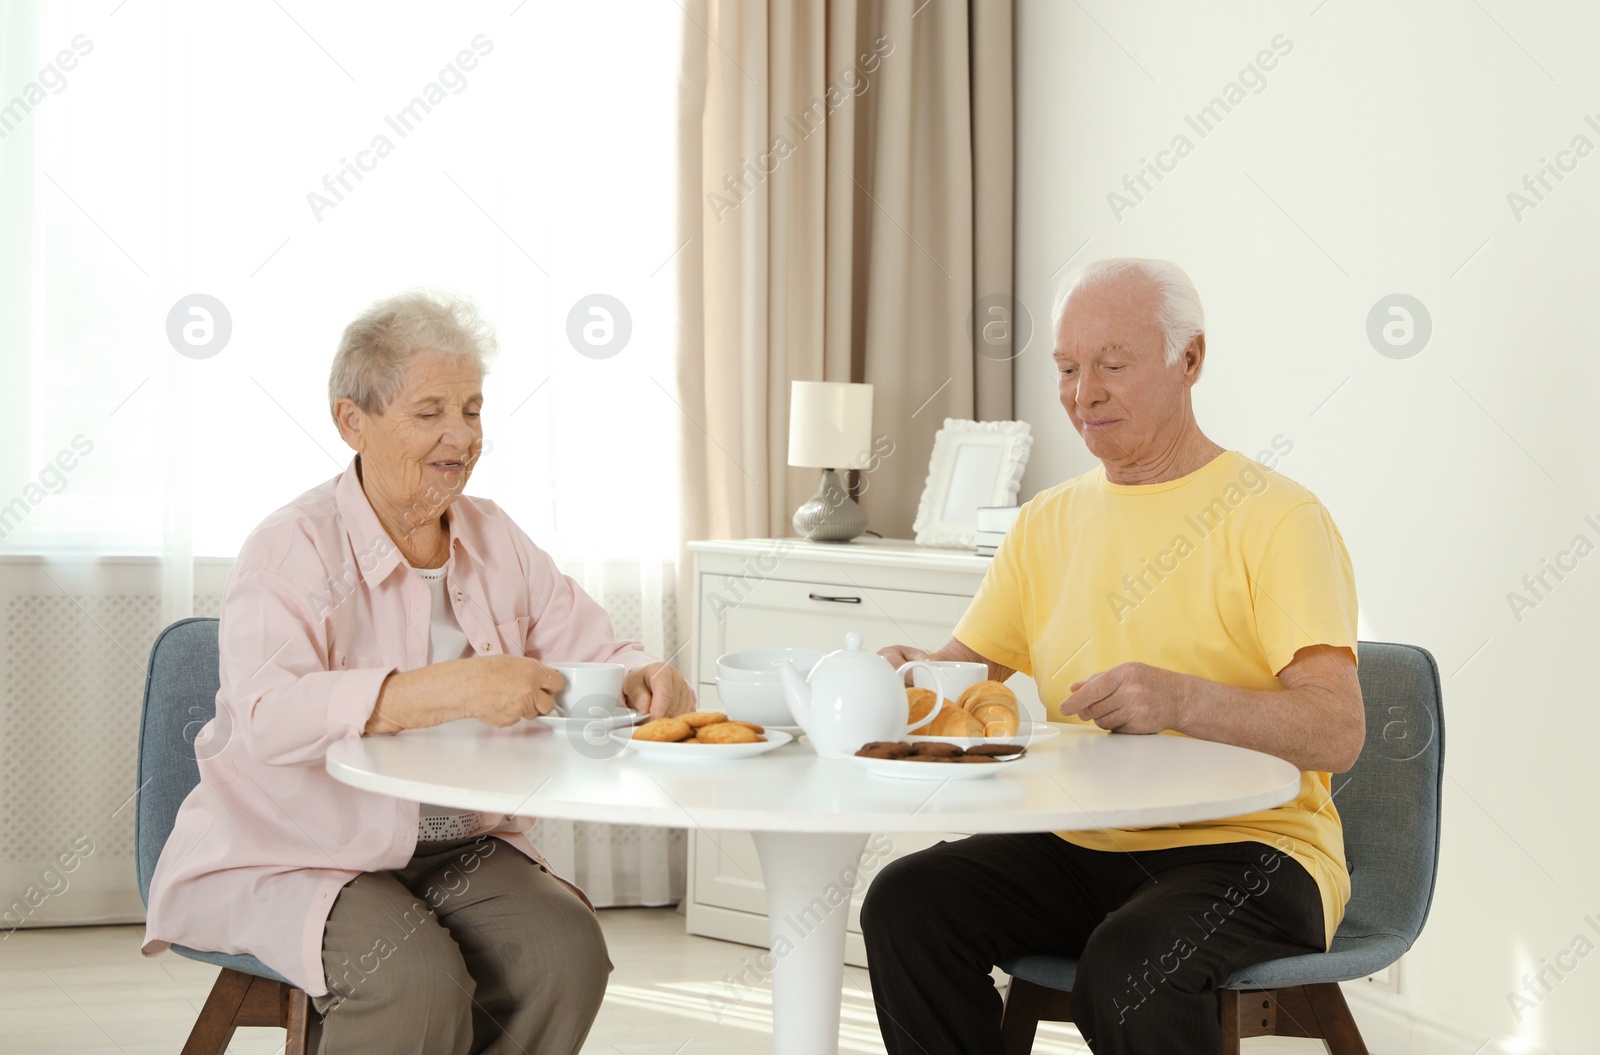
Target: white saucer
{"points": [[617, 720], [902, 770], [704, 752], [1027, 733]]}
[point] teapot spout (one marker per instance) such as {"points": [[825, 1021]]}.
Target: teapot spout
{"points": [[796, 692]]}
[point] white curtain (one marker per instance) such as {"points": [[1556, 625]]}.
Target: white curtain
{"points": [[194, 200]]}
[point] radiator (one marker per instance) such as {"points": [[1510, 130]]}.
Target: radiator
{"points": [[76, 646], [77, 641]]}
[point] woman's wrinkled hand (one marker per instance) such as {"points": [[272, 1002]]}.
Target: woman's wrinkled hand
{"points": [[498, 690], [658, 690], [503, 690]]}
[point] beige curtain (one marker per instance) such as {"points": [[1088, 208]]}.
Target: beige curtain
{"points": [[845, 200]]}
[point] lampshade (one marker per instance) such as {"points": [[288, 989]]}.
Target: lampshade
{"points": [[830, 424]]}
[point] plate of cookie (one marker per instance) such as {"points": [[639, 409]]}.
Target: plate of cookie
{"points": [[934, 761], [700, 735]]}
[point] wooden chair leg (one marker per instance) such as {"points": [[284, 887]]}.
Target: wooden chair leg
{"points": [[297, 1021], [1228, 1014], [1027, 1004], [1318, 1012], [1333, 1017], [214, 1028], [239, 999]]}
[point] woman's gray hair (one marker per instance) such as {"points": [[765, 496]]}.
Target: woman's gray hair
{"points": [[370, 364], [1180, 316]]}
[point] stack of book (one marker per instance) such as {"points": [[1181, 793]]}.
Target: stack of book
{"points": [[993, 521]]}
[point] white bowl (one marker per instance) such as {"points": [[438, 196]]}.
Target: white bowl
{"points": [[760, 664], [750, 687]]}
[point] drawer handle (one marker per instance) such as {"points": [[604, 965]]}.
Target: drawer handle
{"points": [[836, 600]]}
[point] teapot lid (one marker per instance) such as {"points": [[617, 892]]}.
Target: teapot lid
{"points": [[853, 653]]}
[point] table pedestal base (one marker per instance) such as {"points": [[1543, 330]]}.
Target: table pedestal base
{"points": [[809, 878]]}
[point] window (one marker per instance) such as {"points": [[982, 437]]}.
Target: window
{"points": [[295, 162]]}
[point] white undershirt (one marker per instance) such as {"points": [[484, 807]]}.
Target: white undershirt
{"points": [[446, 641]]}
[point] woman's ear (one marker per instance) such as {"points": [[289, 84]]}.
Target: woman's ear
{"points": [[352, 423]]}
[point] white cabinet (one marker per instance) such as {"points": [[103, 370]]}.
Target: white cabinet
{"points": [[754, 593]]}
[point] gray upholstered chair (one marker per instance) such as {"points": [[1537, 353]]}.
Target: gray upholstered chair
{"points": [[1389, 805], [180, 694]]}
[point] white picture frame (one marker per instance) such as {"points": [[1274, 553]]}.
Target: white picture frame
{"points": [[974, 463]]}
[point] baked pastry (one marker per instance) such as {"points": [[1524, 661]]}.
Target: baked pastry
{"points": [[727, 733], [662, 730], [921, 702], [998, 750], [927, 750], [987, 692], [997, 719], [952, 721], [752, 726]]}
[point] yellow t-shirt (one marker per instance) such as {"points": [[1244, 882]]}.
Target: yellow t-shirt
{"points": [[1224, 573]]}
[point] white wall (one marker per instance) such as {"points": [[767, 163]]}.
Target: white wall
{"points": [[1377, 159]]}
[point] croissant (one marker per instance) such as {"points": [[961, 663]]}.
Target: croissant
{"points": [[952, 721], [921, 701], [997, 719], [987, 692]]}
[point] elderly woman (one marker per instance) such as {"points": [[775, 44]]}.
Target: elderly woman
{"points": [[381, 600]]}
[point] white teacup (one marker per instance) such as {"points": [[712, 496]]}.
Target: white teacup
{"points": [[592, 690], [949, 678]]}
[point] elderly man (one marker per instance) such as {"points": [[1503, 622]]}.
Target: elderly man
{"points": [[1178, 588]]}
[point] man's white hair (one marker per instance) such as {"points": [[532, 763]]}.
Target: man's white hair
{"points": [[1180, 315]]}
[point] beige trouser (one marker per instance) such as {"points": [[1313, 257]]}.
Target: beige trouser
{"points": [[471, 947]]}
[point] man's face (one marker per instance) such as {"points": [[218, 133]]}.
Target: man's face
{"points": [[1114, 381]]}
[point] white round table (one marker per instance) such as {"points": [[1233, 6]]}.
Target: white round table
{"points": [[810, 816]]}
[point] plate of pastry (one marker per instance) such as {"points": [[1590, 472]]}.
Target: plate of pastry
{"points": [[986, 713], [932, 761], [702, 735]]}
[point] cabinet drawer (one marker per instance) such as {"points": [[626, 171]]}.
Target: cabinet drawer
{"points": [[736, 614]]}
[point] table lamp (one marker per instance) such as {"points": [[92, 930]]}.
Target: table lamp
{"points": [[830, 427]]}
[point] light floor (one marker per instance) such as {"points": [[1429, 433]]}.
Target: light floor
{"points": [[87, 991]]}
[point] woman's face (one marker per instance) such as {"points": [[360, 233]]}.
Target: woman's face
{"points": [[417, 455]]}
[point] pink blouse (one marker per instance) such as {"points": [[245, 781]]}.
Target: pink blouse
{"points": [[319, 608]]}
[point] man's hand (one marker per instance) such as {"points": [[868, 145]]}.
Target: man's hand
{"points": [[952, 651], [1132, 698], [658, 690], [899, 655], [1316, 720]]}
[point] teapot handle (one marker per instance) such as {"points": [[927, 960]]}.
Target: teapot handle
{"points": [[938, 679]]}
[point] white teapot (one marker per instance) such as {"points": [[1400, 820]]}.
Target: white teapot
{"points": [[853, 697]]}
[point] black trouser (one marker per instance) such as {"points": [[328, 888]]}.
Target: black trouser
{"points": [[1154, 934]]}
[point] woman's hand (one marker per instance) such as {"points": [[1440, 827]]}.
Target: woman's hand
{"points": [[506, 689], [658, 690], [497, 690]]}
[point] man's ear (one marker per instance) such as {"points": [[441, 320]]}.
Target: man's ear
{"points": [[1194, 358]]}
